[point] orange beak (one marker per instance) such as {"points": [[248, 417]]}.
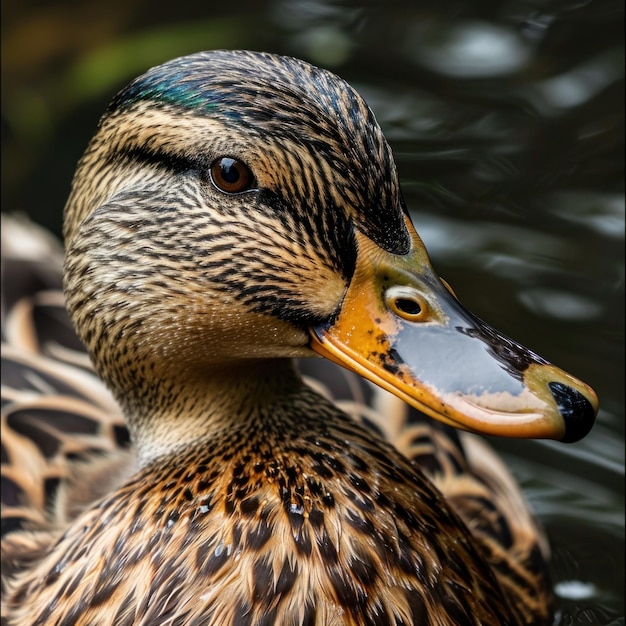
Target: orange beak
{"points": [[400, 327]]}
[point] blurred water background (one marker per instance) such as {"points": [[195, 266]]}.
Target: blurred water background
{"points": [[507, 121]]}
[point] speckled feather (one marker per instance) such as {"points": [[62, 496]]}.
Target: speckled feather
{"points": [[253, 498]]}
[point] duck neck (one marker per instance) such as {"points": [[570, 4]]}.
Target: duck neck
{"points": [[167, 414]]}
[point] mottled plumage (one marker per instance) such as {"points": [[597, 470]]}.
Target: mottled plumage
{"points": [[219, 225]]}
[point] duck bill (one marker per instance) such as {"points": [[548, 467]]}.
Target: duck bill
{"points": [[401, 327]]}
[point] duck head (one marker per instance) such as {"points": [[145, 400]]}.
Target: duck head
{"points": [[235, 207]]}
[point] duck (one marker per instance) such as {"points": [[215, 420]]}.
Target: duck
{"points": [[174, 453]]}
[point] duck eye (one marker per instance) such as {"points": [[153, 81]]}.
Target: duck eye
{"points": [[231, 176]]}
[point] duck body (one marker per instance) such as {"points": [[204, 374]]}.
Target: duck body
{"points": [[236, 211], [268, 523]]}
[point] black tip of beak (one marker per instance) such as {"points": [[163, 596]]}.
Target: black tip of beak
{"points": [[578, 413]]}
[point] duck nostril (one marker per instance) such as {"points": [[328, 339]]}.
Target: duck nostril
{"points": [[407, 303], [408, 306]]}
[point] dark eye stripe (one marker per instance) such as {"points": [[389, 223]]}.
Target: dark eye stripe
{"points": [[175, 163]]}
